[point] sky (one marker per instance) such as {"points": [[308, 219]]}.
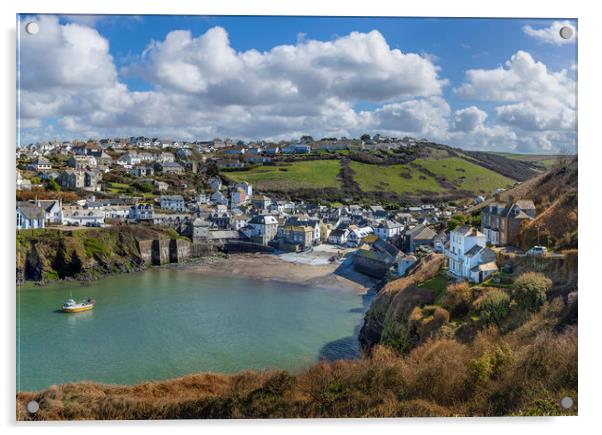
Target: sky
{"points": [[488, 84]]}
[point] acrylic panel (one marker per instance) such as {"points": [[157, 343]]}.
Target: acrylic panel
{"points": [[278, 217]]}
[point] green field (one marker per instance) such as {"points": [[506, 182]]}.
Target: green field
{"points": [[374, 178], [401, 179], [466, 175], [315, 174], [546, 160]]}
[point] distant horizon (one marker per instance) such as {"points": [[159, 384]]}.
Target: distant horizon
{"points": [[297, 140], [504, 85]]}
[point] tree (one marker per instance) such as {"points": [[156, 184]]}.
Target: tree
{"points": [[493, 306], [530, 290], [458, 298], [307, 139], [143, 187], [365, 137], [53, 185]]}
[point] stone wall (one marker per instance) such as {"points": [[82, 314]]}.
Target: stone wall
{"points": [[146, 251], [161, 251], [179, 250]]}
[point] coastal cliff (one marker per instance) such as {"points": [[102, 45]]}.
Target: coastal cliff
{"points": [[49, 254], [395, 302]]}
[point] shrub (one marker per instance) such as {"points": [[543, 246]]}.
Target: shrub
{"points": [[458, 298], [143, 187], [493, 306], [491, 364], [396, 336], [530, 291], [53, 185]]}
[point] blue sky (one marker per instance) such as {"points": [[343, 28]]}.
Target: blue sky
{"points": [[498, 117]]}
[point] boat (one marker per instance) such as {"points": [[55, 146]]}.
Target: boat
{"points": [[77, 307]]}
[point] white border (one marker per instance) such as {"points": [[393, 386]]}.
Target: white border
{"points": [[589, 165]]}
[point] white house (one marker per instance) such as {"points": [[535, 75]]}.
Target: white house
{"points": [[142, 212], [356, 234], [388, 230], [264, 227], [53, 212], [29, 216], [128, 160], [74, 215], [172, 202], [469, 256], [40, 164], [117, 212], [338, 236]]}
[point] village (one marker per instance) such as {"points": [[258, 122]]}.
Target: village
{"points": [[381, 242]]}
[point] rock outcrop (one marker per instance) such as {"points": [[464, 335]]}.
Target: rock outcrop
{"points": [[86, 254], [397, 300]]}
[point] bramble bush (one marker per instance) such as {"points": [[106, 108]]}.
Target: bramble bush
{"points": [[530, 290], [493, 307], [457, 300]]}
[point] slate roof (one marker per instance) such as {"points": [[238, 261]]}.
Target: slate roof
{"points": [[31, 211], [421, 232], [47, 204], [474, 250]]}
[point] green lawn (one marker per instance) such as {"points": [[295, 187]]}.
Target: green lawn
{"points": [[119, 185], [466, 175], [315, 174], [374, 178], [438, 284]]}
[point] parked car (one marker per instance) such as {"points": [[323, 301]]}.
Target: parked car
{"points": [[538, 251]]}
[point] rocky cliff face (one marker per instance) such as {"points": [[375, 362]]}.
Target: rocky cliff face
{"points": [[397, 299], [86, 254]]}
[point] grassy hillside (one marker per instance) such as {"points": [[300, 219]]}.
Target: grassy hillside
{"points": [[466, 175], [556, 197], [544, 160], [441, 175], [409, 174], [314, 174], [402, 179]]}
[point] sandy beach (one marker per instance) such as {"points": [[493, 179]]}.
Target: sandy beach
{"points": [[306, 269]]}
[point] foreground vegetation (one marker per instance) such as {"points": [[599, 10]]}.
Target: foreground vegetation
{"points": [[525, 374]]}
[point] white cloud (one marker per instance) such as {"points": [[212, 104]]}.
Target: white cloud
{"points": [[200, 87], [551, 34], [469, 119], [359, 66], [423, 118], [68, 56], [533, 101]]}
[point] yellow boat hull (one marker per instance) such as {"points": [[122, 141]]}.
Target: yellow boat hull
{"points": [[77, 309]]}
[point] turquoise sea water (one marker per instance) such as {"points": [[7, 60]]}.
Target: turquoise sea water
{"points": [[164, 323]]}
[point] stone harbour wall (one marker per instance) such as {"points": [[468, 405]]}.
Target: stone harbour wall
{"points": [[163, 251]]}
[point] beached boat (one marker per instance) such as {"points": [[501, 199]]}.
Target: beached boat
{"points": [[76, 307]]}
